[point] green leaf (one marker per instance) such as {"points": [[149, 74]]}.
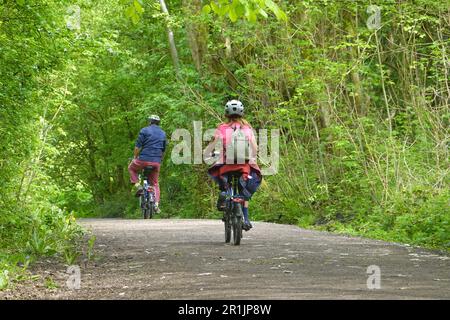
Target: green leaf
{"points": [[252, 17], [206, 9], [135, 18], [224, 10], [138, 7], [263, 13], [271, 5], [233, 15], [239, 9], [129, 12], [280, 14], [214, 7]]}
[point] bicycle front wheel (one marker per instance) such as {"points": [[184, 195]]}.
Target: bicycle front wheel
{"points": [[227, 224]]}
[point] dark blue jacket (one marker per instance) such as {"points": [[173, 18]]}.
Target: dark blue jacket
{"points": [[152, 142]]}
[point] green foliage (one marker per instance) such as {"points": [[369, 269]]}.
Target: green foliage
{"points": [[363, 115], [4, 278], [90, 247], [50, 283], [134, 10], [248, 9], [33, 37], [341, 166]]}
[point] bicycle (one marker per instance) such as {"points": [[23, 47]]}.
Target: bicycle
{"points": [[147, 199], [233, 216]]}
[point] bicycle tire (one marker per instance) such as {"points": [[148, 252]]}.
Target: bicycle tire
{"points": [[143, 207], [237, 224], [227, 230], [151, 210]]}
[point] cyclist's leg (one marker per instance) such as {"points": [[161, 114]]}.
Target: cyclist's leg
{"points": [[222, 183], [247, 223], [134, 168], [154, 177]]}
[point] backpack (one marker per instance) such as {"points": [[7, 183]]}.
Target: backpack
{"points": [[238, 150]]}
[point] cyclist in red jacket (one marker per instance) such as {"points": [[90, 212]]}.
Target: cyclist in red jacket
{"points": [[231, 161]]}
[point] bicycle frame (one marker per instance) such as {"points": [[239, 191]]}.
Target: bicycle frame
{"points": [[148, 197], [149, 190]]}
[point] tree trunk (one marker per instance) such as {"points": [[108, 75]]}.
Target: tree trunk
{"points": [[360, 98], [171, 38], [196, 33]]}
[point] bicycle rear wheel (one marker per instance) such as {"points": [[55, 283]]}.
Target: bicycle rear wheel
{"points": [[237, 224], [143, 206], [151, 209]]}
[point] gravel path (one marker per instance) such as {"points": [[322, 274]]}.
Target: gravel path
{"points": [[188, 259]]}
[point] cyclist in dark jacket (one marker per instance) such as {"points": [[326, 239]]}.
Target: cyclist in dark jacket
{"points": [[148, 151]]}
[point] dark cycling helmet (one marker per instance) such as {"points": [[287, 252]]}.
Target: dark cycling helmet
{"points": [[234, 108]]}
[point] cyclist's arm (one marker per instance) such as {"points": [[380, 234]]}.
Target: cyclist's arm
{"points": [[137, 151], [164, 148], [211, 147], [254, 148], [210, 150], [253, 145], [138, 145]]}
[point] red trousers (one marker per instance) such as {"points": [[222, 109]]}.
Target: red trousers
{"points": [[136, 167]]}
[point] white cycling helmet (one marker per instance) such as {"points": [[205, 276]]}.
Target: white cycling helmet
{"points": [[234, 107], [154, 117]]}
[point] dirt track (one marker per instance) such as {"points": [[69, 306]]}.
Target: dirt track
{"points": [[188, 259]]}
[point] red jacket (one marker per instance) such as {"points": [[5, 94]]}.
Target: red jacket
{"points": [[220, 169]]}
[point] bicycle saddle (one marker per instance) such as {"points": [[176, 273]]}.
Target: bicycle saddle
{"points": [[236, 174], [147, 170]]}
